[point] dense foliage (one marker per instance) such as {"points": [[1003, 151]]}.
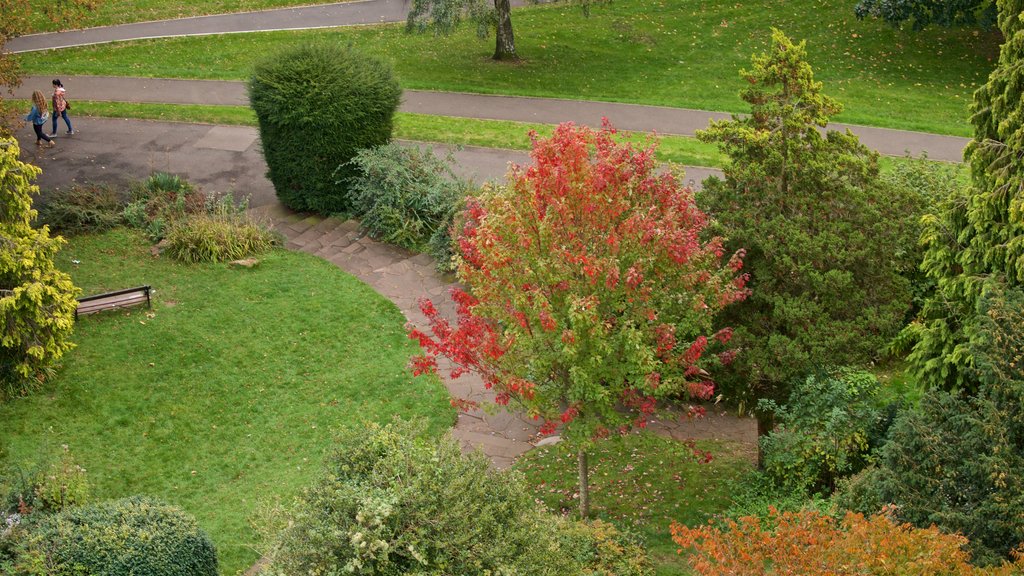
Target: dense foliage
{"points": [[37, 301], [395, 502], [822, 431], [135, 535], [921, 13], [592, 294], [193, 226], [812, 543], [925, 185], [407, 196], [822, 235], [317, 106], [975, 243], [82, 208], [956, 461]]}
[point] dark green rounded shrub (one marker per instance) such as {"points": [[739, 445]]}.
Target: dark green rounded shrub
{"points": [[318, 105], [137, 536]]}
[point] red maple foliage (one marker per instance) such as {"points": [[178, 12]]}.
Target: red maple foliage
{"points": [[591, 288]]}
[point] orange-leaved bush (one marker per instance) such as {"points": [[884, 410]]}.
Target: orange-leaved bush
{"points": [[807, 542], [591, 291]]}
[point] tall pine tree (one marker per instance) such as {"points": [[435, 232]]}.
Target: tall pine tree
{"points": [[821, 234], [975, 245]]}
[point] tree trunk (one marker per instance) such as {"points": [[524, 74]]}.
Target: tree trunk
{"points": [[505, 47], [765, 423], [581, 459]]}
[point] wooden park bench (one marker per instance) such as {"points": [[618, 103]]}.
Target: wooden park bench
{"points": [[112, 300]]}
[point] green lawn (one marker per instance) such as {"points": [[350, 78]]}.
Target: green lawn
{"points": [[124, 11], [226, 392], [642, 483], [681, 53]]}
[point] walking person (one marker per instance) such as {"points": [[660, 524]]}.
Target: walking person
{"points": [[38, 117], [60, 107]]}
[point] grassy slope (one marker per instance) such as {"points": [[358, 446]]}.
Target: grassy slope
{"points": [[227, 392], [125, 11], [683, 53], [642, 483]]}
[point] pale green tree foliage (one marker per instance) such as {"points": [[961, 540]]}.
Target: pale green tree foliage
{"points": [[975, 244], [37, 301]]}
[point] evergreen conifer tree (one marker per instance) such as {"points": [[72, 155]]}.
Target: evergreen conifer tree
{"points": [[37, 301], [821, 233], [975, 245]]}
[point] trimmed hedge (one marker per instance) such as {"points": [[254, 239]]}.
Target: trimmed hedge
{"points": [[137, 536], [317, 106]]}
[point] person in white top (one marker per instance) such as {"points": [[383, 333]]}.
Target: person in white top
{"points": [[60, 108]]}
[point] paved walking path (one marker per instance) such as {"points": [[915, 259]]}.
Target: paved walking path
{"points": [[632, 117], [359, 12], [227, 159]]}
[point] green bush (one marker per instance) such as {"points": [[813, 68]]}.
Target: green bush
{"points": [[82, 208], [317, 106], [160, 201], [396, 503], [137, 536], [822, 431], [407, 196], [946, 465], [37, 301], [218, 238], [958, 461], [923, 186]]}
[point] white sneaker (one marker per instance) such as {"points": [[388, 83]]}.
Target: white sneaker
{"points": [[71, 132]]}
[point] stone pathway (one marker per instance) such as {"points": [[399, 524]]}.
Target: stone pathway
{"points": [[403, 277]]}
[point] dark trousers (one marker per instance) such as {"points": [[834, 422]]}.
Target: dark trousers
{"points": [[62, 114], [39, 133]]}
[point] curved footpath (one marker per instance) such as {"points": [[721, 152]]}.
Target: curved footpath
{"points": [[227, 159]]}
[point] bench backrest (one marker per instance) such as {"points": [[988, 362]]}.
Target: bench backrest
{"points": [[111, 300]]}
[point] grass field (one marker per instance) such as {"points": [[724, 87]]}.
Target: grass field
{"points": [[226, 392], [641, 483], [125, 11], [681, 53]]}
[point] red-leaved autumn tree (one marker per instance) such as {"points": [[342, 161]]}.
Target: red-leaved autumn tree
{"points": [[591, 294]]}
